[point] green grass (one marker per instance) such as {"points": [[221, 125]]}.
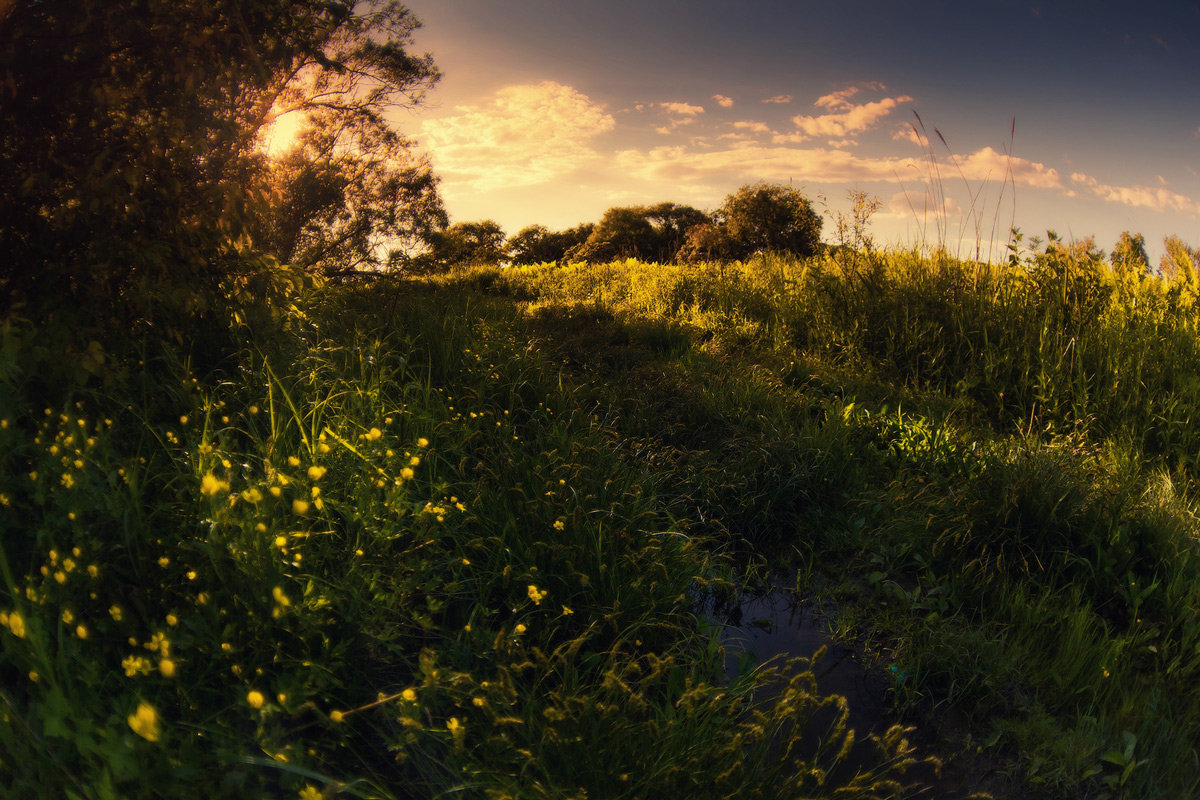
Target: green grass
{"points": [[391, 548], [990, 469]]}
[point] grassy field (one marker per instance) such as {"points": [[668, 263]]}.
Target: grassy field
{"points": [[450, 536]]}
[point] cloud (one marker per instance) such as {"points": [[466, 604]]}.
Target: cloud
{"points": [[723, 101], [682, 109], [779, 98], [525, 135], [988, 164], [1157, 198], [824, 165], [753, 127], [852, 119], [840, 100], [907, 133], [674, 163]]}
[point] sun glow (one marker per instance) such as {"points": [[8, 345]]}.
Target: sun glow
{"points": [[281, 134]]}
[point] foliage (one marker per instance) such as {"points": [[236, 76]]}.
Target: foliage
{"points": [[127, 145], [338, 199], [770, 218], [461, 243], [651, 233], [1129, 255], [537, 244]]}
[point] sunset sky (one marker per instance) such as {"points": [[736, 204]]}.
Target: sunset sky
{"points": [[551, 111]]}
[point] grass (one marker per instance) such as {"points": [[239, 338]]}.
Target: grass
{"points": [[451, 536], [990, 469], [391, 548]]}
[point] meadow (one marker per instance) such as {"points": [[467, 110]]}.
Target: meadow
{"points": [[452, 535]]}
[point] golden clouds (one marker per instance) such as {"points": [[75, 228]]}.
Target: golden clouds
{"points": [[526, 135]]}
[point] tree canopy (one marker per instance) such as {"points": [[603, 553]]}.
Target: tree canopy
{"points": [[129, 131], [770, 217]]}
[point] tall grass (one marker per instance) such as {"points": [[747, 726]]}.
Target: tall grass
{"points": [[994, 464], [389, 550]]}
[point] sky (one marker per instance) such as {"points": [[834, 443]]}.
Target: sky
{"points": [[963, 118]]}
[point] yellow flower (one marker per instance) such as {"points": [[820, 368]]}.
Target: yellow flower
{"points": [[373, 434], [255, 698], [409, 694], [135, 665], [67, 616], [559, 525], [520, 628], [422, 442], [172, 620], [299, 507], [211, 486], [415, 461], [315, 473], [456, 728], [337, 716], [535, 595], [167, 667], [323, 448], [81, 631], [93, 570], [252, 495], [280, 597], [407, 473], [281, 542], [311, 793], [293, 461], [567, 611], [275, 491], [144, 722], [253, 409]]}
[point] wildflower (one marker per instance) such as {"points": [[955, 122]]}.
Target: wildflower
{"points": [[281, 542], [293, 461], [191, 574], [81, 631], [16, 624], [164, 562], [68, 564], [280, 597], [33, 675], [535, 595], [422, 442], [337, 716], [172, 620], [115, 612], [456, 728], [167, 667], [299, 507], [253, 409], [415, 461], [567, 611], [135, 665], [407, 473], [255, 698], [202, 599], [67, 616], [144, 722], [93, 570], [559, 525], [315, 473], [60, 576], [409, 694], [68, 480], [373, 434], [252, 495], [311, 792], [210, 485], [520, 628], [323, 448]]}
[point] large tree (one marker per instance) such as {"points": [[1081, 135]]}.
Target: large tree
{"points": [[768, 217], [129, 133], [537, 244], [650, 233]]}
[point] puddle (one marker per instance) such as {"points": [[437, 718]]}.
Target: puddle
{"points": [[776, 624]]}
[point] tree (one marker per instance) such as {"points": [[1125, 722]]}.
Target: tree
{"points": [[129, 174], [770, 217], [1179, 261], [1129, 255], [462, 243], [650, 233], [337, 208], [537, 244], [706, 242]]}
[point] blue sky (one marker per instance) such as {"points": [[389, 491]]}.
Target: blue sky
{"points": [[551, 111]]}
